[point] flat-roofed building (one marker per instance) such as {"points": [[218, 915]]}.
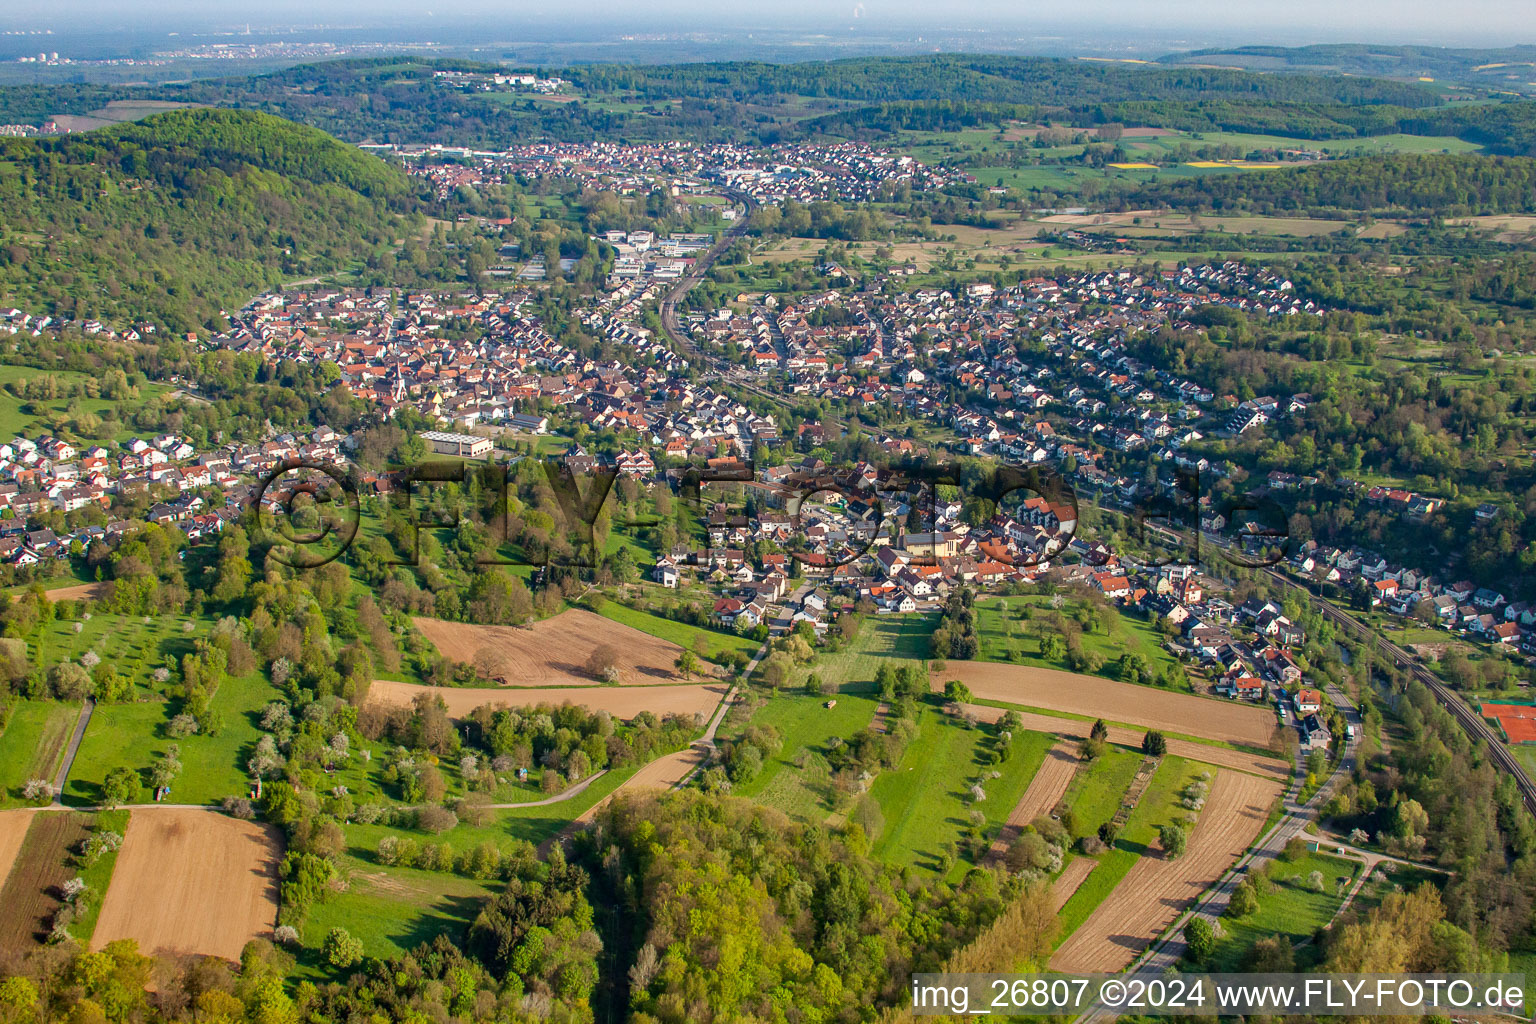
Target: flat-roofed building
{"points": [[464, 445]]}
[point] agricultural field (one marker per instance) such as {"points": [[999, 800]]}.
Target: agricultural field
{"points": [[192, 881], [133, 735], [1007, 637], [1045, 790], [554, 652], [13, 830], [1294, 909], [33, 744], [1157, 889], [40, 865], [717, 644], [1122, 703], [1158, 804], [1077, 727], [926, 798]]}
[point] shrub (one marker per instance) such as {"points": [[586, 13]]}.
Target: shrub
{"points": [[239, 807], [182, 726], [436, 820], [340, 949], [1174, 839], [1199, 939]]}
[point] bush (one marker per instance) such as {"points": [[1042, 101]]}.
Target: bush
{"points": [[1199, 939], [1174, 839], [239, 807], [436, 820], [340, 949]]}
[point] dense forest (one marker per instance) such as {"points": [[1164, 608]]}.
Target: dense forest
{"points": [[190, 212], [1400, 185], [395, 100]]}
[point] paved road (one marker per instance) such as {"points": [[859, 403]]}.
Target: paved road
{"points": [[1167, 951], [84, 719], [1469, 719]]}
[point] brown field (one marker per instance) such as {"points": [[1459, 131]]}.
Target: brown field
{"points": [[191, 881], [1076, 694], [554, 651], [75, 593], [1156, 890], [13, 829], [1072, 876], [1044, 790], [39, 867], [1225, 757], [621, 701]]}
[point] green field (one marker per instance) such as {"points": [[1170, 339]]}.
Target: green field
{"points": [[43, 417], [1098, 789], [679, 633], [134, 735], [393, 909], [32, 744], [1006, 637], [134, 645], [852, 669], [99, 875], [926, 799], [1158, 806], [1292, 910], [796, 780]]}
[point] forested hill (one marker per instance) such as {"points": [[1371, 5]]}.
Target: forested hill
{"points": [[174, 218], [1402, 185]]}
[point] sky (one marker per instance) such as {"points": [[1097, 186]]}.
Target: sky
{"points": [[1464, 22]]}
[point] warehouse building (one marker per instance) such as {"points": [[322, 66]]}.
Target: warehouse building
{"points": [[465, 445]]}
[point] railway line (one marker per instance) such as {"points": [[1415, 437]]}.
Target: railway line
{"points": [[673, 326], [1469, 719]]}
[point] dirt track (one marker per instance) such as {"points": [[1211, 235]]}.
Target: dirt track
{"points": [[191, 881], [1042, 793], [1070, 878], [1157, 890], [1224, 757], [621, 701], [554, 651]]}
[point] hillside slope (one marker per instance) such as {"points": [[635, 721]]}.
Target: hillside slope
{"points": [[174, 218]]}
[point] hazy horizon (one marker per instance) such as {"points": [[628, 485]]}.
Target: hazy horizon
{"points": [[1118, 23]]}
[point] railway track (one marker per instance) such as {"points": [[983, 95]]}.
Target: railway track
{"points": [[668, 309], [1469, 719]]}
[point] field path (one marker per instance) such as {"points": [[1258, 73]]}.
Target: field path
{"points": [[664, 773], [1223, 757], [73, 748], [192, 881], [1157, 890], [1208, 718], [1072, 876], [1044, 790]]}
